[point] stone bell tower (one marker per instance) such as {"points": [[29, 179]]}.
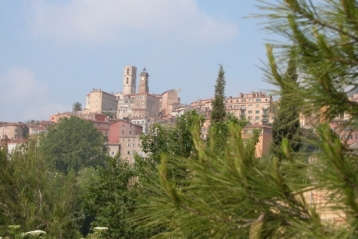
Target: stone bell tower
{"points": [[143, 84], [129, 80]]}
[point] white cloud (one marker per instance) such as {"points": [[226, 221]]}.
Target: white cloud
{"points": [[22, 97], [19, 85], [103, 20]]}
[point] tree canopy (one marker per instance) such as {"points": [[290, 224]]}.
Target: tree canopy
{"points": [[77, 106], [73, 144]]}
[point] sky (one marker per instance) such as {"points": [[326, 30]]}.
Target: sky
{"points": [[53, 52]]}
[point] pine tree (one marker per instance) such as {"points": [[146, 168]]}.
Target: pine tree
{"points": [[234, 195]]}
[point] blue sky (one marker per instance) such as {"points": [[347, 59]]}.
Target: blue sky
{"points": [[53, 52]]}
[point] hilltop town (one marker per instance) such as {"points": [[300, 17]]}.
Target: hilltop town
{"points": [[124, 116]]}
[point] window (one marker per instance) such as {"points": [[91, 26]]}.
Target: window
{"points": [[257, 111], [258, 100], [250, 111], [129, 153], [257, 118]]}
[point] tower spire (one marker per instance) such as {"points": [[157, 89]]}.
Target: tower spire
{"points": [[129, 80], [143, 84]]}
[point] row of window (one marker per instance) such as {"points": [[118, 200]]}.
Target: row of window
{"points": [[133, 145], [350, 136], [248, 100], [256, 117]]}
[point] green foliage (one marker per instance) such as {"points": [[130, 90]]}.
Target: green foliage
{"points": [[73, 144], [110, 200], [230, 193], [222, 196], [33, 197], [323, 37], [176, 141]]}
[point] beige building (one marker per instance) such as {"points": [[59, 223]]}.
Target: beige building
{"points": [[13, 131], [39, 127], [129, 80], [264, 142], [169, 102], [136, 105], [143, 108], [98, 101], [255, 107]]}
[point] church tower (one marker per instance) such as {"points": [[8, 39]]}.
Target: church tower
{"points": [[129, 80], [143, 84]]}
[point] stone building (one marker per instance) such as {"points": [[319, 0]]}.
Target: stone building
{"points": [[38, 127], [169, 102], [99, 101], [254, 107], [347, 134], [55, 118], [137, 105], [100, 121], [124, 139], [264, 143], [13, 131], [129, 80], [142, 107]]}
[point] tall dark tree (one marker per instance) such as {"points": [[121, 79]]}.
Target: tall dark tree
{"points": [[286, 122], [77, 106], [73, 144], [218, 112]]}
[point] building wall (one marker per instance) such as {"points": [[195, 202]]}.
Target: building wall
{"points": [[129, 80], [55, 118], [254, 107], [13, 131], [98, 101], [263, 145], [124, 108], [169, 101], [36, 128], [328, 213], [126, 136]]}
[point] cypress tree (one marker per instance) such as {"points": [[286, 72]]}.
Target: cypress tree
{"points": [[218, 111], [286, 123]]}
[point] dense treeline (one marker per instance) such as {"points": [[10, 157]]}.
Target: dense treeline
{"points": [[63, 183]]}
